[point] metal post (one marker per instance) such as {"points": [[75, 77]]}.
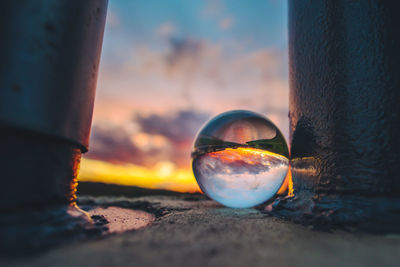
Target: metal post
{"points": [[49, 53], [344, 113]]}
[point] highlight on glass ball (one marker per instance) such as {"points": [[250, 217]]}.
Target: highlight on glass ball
{"points": [[240, 159]]}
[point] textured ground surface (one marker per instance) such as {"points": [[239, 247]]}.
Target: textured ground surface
{"points": [[195, 232]]}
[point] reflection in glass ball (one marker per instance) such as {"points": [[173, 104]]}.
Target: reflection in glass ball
{"points": [[240, 159]]}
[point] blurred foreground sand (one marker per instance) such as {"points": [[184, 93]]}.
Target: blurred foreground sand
{"points": [[198, 232]]}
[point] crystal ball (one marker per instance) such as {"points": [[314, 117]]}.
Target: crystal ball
{"points": [[240, 159]]}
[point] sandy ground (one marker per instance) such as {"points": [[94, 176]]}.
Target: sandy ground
{"points": [[121, 219], [203, 233]]}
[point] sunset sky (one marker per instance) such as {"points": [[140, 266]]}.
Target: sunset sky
{"points": [[166, 68]]}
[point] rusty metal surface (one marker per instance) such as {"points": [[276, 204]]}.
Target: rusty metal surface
{"points": [[344, 110], [50, 53]]}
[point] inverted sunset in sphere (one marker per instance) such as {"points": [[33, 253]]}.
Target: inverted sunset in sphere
{"points": [[240, 159]]}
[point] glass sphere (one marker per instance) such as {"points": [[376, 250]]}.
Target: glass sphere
{"points": [[240, 159]]}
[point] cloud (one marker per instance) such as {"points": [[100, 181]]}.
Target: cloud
{"points": [[192, 59], [193, 74], [226, 23], [179, 127], [166, 30], [157, 138], [113, 144], [113, 20], [213, 8], [181, 49], [191, 70]]}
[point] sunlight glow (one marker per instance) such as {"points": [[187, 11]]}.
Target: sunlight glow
{"points": [[163, 176], [287, 185]]}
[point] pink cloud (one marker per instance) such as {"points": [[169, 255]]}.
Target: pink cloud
{"points": [[226, 23]]}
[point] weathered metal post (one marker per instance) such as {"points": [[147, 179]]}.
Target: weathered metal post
{"points": [[49, 59], [345, 113]]}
